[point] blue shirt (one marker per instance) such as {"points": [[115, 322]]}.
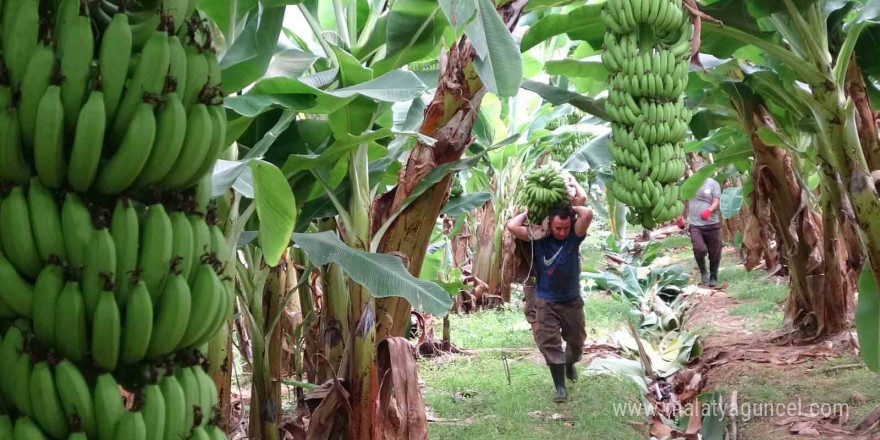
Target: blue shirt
{"points": [[559, 267]]}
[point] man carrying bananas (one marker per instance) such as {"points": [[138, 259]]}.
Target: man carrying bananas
{"points": [[704, 227], [558, 305]]}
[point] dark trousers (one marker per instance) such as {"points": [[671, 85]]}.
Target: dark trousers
{"points": [[707, 240], [559, 322]]}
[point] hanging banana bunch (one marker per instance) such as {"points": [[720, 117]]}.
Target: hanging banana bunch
{"points": [[647, 50], [104, 111]]}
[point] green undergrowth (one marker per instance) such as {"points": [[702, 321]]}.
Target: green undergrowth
{"points": [[831, 385], [760, 297], [474, 392]]}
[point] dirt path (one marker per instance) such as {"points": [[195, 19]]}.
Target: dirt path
{"points": [[781, 390]]}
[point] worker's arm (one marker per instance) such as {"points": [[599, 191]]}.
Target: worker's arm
{"points": [[576, 191], [516, 227], [584, 218]]}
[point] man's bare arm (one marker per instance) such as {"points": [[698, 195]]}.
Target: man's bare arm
{"points": [[516, 227], [576, 192], [584, 218]]}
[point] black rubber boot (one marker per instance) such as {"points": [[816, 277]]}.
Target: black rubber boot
{"points": [[713, 279], [701, 264], [558, 373], [571, 371]]}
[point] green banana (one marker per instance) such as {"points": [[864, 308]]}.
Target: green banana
{"points": [[171, 317], [214, 71], [76, 46], [26, 429], [131, 427], [197, 71], [100, 267], [216, 146], [45, 220], [215, 433], [196, 75], [207, 393], [177, 66], [148, 78], [6, 312], [44, 397], [199, 130], [124, 228], [155, 255], [88, 143], [6, 429], [138, 325], [206, 300], [66, 12], [109, 409], [33, 86], [170, 134], [219, 246], [20, 373], [125, 165], [13, 344], [199, 434], [13, 167], [75, 397], [201, 244], [71, 328], [78, 436], [25, 28], [17, 234], [175, 408], [153, 410], [142, 29], [48, 287], [76, 224], [113, 60], [106, 331], [49, 139], [190, 386], [10, 10], [183, 241]]}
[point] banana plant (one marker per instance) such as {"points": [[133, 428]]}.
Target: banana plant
{"points": [[334, 87]]}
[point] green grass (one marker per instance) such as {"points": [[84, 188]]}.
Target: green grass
{"points": [[507, 327], [675, 242], [767, 384], [760, 297], [474, 390], [501, 328]]}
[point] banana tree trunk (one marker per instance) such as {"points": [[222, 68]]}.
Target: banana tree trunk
{"points": [[865, 118], [449, 119], [818, 297], [758, 236], [265, 412], [220, 349], [486, 261]]}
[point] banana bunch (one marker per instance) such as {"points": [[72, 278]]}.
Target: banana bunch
{"points": [[151, 114], [544, 188], [53, 399], [142, 289], [647, 50]]}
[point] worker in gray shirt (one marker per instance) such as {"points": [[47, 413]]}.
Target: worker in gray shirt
{"points": [[704, 226]]}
